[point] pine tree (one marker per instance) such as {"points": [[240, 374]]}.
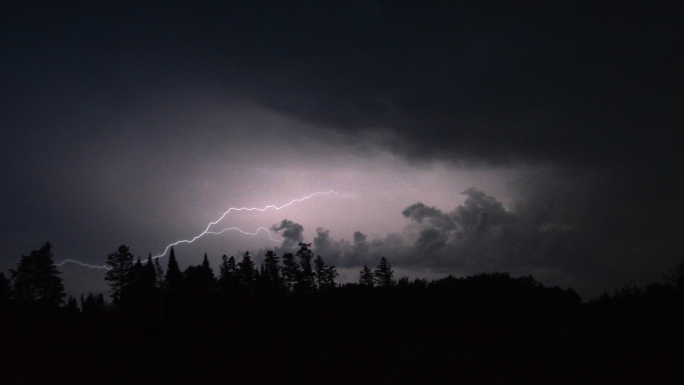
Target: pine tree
{"points": [[92, 304], [383, 273], [37, 279], [199, 280], [319, 271], [136, 269], [120, 273], [246, 271], [5, 289], [206, 266], [159, 285], [228, 275], [83, 301], [159, 274], [258, 282], [305, 282], [367, 277], [142, 294], [290, 271], [271, 273], [173, 280], [72, 305], [133, 289], [330, 275], [148, 275], [325, 275]]}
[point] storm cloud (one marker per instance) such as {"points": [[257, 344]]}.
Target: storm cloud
{"points": [[538, 235], [137, 123], [291, 232]]}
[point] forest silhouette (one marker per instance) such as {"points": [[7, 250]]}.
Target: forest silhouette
{"points": [[286, 320]]}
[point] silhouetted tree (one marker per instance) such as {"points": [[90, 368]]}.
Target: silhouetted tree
{"points": [[420, 284], [329, 277], [148, 276], [92, 304], [72, 305], [383, 273], [206, 266], [273, 280], [37, 279], [258, 283], [246, 271], [159, 284], [290, 271], [228, 280], [200, 280], [173, 280], [136, 270], [366, 277], [676, 276], [159, 274], [142, 293], [5, 289], [133, 289], [120, 273], [305, 280], [319, 271], [325, 275]]}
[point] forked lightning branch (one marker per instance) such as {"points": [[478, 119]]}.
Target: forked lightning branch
{"points": [[209, 226]]}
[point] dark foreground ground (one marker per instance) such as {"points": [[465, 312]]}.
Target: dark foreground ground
{"points": [[356, 336]]}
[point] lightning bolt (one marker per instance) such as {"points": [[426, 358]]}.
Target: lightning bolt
{"points": [[207, 230], [83, 264]]}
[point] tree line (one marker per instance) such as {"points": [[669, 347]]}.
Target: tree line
{"points": [[259, 322], [136, 284]]}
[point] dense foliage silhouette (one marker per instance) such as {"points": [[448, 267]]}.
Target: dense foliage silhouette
{"points": [[121, 273], [36, 279], [285, 319]]}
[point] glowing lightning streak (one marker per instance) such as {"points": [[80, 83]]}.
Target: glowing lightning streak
{"points": [[83, 264], [206, 231], [105, 267], [245, 209], [217, 233]]}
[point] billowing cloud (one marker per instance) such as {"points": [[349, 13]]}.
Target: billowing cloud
{"points": [[420, 213], [482, 235], [292, 232]]}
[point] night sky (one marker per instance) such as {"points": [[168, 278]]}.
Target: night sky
{"points": [[541, 138]]}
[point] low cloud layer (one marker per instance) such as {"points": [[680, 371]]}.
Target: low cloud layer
{"points": [[539, 235], [480, 234]]}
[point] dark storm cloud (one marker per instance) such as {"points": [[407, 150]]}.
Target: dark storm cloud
{"points": [[292, 232], [577, 84], [360, 252], [585, 97], [430, 240], [478, 212], [580, 83], [359, 238], [564, 239], [341, 252], [419, 212]]}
